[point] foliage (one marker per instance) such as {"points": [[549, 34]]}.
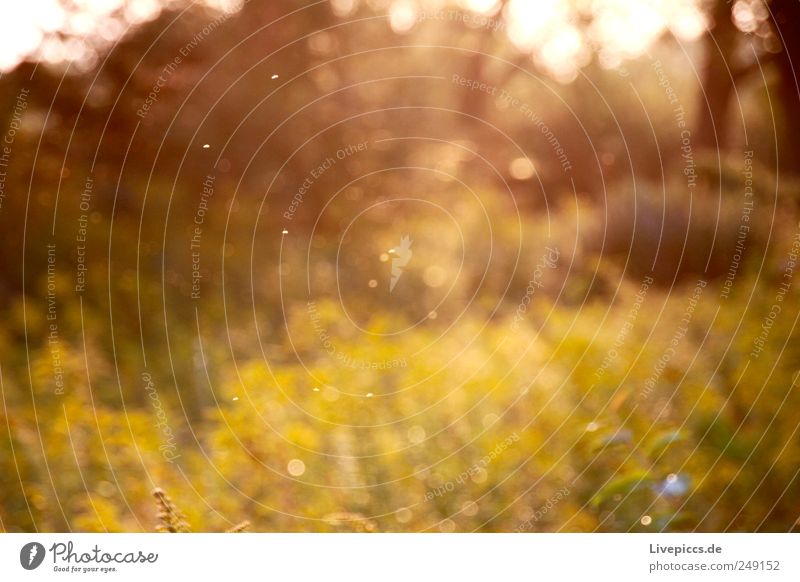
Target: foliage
{"points": [[711, 447]]}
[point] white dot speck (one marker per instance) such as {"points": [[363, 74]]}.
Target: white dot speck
{"points": [[316, 389], [296, 467], [235, 398], [274, 76], [285, 231], [647, 520], [370, 394], [206, 146]]}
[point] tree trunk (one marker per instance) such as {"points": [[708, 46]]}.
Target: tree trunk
{"points": [[717, 84], [785, 14]]}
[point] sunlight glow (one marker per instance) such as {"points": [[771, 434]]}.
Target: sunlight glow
{"points": [[553, 31], [529, 23], [619, 29], [343, 7], [403, 15], [24, 33], [749, 15], [564, 53], [44, 30], [480, 6]]}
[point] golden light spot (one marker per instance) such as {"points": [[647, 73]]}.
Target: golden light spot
{"points": [[416, 434], [403, 515], [330, 394], [647, 520], [106, 488], [480, 476], [296, 467], [353, 194], [434, 276], [521, 169]]}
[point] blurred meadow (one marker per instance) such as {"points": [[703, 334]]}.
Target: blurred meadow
{"points": [[399, 265]]}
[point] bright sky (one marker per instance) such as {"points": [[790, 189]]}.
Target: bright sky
{"points": [[26, 30], [620, 29]]}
